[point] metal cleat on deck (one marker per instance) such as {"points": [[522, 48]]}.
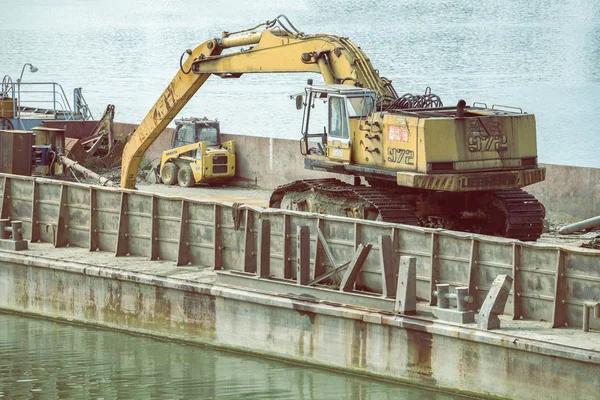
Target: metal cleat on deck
{"points": [[494, 303], [15, 230], [461, 314]]}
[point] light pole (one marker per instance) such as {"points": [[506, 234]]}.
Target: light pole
{"points": [[32, 69]]}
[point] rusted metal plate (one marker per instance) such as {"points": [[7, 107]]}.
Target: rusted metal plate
{"points": [[108, 205], [78, 216], [74, 150], [15, 152], [168, 216], [201, 234], [139, 219]]}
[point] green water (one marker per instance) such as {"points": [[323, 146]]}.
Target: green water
{"points": [[41, 359]]}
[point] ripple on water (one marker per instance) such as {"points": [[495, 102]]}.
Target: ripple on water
{"points": [[44, 359]]}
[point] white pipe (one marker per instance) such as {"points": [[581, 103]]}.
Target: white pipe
{"points": [[581, 225]]}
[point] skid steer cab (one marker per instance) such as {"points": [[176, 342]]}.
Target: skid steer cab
{"points": [[197, 154]]}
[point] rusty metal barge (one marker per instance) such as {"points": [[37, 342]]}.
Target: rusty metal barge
{"points": [[362, 296]]}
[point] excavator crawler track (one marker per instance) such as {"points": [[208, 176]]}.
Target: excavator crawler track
{"points": [[506, 213], [524, 214], [385, 201]]}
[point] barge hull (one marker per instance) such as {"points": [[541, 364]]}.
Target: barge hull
{"points": [[417, 350]]}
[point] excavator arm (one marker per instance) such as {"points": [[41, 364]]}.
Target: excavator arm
{"points": [[181, 89], [274, 50]]}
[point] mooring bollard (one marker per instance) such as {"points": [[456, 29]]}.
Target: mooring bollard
{"points": [[10, 228], [17, 230], [461, 296], [463, 299], [461, 314], [4, 228], [587, 307], [442, 294]]}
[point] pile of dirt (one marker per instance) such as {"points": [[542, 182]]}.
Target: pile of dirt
{"points": [[554, 221]]}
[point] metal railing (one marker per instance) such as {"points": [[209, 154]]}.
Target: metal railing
{"points": [[45, 98]]}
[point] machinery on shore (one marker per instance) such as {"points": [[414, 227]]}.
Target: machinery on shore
{"points": [[459, 167], [197, 154]]}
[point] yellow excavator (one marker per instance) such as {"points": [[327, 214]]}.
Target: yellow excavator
{"points": [[459, 167]]}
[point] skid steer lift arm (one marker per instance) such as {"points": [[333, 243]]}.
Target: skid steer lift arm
{"points": [[276, 49]]}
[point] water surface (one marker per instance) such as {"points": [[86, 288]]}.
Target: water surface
{"points": [[41, 359], [540, 55]]}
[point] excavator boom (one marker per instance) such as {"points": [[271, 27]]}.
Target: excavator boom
{"points": [[274, 50], [181, 89]]}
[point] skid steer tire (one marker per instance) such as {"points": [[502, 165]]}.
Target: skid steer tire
{"points": [[186, 177], [169, 173]]}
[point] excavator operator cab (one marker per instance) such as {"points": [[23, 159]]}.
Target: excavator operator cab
{"points": [[337, 111]]}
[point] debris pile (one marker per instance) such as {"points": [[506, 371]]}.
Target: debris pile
{"points": [[101, 149], [557, 223], [593, 244]]}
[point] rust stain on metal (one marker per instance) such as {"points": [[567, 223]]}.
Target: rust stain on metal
{"points": [[200, 314], [359, 345], [419, 345]]}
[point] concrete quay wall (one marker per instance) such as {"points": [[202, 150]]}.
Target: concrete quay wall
{"points": [[417, 350], [270, 162]]}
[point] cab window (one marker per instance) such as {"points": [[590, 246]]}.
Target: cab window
{"points": [[208, 135], [338, 119], [360, 106], [185, 136]]}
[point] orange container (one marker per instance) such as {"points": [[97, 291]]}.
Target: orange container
{"points": [[7, 107]]}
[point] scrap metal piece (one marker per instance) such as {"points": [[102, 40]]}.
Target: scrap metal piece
{"points": [[103, 130], [494, 303], [592, 244], [86, 172], [349, 279], [75, 150]]}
